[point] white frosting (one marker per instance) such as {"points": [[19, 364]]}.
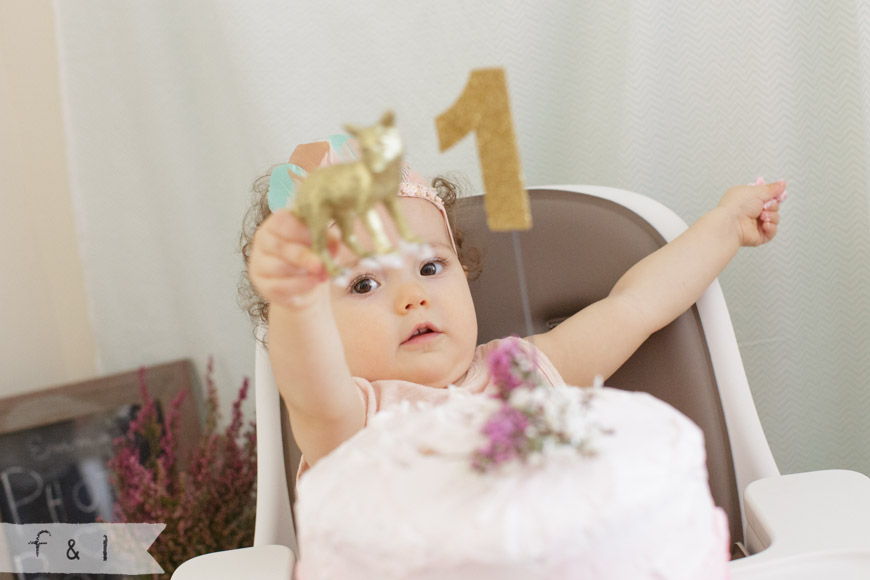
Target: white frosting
{"points": [[400, 500]]}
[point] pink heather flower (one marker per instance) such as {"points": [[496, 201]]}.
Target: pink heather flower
{"points": [[167, 442], [148, 407], [236, 424], [506, 438], [506, 424], [511, 367], [208, 503], [522, 425]]}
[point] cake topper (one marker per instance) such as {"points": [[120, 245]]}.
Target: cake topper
{"points": [[484, 109], [347, 188], [344, 192]]}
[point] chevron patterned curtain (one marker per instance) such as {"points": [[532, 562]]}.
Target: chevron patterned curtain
{"points": [[173, 108]]}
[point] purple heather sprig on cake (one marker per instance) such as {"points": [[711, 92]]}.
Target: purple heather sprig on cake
{"points": [[511, 367], [532, 417]]}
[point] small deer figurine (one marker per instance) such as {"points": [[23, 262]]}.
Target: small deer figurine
{"points": [[350, 191]]}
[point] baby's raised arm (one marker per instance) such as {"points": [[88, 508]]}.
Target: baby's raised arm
{"points": [[601, 337], [305, 348]]}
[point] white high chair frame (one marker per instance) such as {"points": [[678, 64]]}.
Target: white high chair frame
{"points": [[796, 527]]}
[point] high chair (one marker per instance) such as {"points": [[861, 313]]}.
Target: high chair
{"points": [[584, 238]]}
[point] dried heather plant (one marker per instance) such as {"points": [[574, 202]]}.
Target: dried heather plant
{"points": [[207, 505]]}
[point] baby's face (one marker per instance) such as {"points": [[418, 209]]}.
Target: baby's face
{"points": [[415, 323]]}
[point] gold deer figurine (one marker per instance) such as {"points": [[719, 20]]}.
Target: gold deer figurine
{"points": [[350, 191]]}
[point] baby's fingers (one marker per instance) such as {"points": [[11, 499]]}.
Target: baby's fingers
{"points": [[775, 194], [287, 291], [279, 280], [302, 258], [270, 241], [768, 230], [769, 216], [276, 266], [285, 225], [771, 205]]}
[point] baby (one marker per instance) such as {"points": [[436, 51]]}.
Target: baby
{"points": [[342, 353]]}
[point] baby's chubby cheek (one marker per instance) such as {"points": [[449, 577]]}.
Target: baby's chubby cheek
{"points": [[364, 343]]}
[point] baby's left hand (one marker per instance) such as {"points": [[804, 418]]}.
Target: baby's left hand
{"points": [[756, 209]]}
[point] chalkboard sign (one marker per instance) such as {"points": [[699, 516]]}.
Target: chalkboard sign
{"points": [[57, 472], [55, 443]]}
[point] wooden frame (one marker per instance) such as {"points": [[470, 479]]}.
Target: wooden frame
{"points": [[75, 400]]}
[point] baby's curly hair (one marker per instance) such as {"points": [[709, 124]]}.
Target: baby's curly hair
{"points": [[258, 309]]}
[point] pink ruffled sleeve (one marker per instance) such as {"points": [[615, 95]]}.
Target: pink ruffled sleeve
{"points": [[370, 406]]}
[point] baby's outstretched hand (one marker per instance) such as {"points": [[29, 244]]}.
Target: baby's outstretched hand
{"points": [[755, 208], [283, 268]]}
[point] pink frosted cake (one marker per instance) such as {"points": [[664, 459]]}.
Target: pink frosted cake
{"points": [[602, 484]]}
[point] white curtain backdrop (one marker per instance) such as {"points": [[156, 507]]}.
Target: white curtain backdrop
{"points": [[174, 108]]}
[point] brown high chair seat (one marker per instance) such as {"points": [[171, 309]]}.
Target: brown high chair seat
{"points": [[577, 249]]}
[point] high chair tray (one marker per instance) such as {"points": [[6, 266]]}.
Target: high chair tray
{"points": [[831, 565], [807, 525], [259, 563]]}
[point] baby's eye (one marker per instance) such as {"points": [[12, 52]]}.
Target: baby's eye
{"points": [[364, 285], [432, 268]]}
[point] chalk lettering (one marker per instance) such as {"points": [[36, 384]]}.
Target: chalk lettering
{"points": [[28, 477], [42, 451], [54, 501], [80, 493]]}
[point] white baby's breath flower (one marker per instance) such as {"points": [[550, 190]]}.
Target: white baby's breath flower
{"points": [[555, 420], [392, 260], [553, 409], [419, 251], [549, 447], [526, 365], [342, 279], [521, 398]]}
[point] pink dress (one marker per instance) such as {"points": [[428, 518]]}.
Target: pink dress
{"points": [[380, 395]]}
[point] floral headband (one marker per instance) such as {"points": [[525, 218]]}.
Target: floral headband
{"points": [[336, 149]]}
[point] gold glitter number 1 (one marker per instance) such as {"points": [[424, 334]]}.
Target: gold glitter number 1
{"points": [[483, 108]]}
